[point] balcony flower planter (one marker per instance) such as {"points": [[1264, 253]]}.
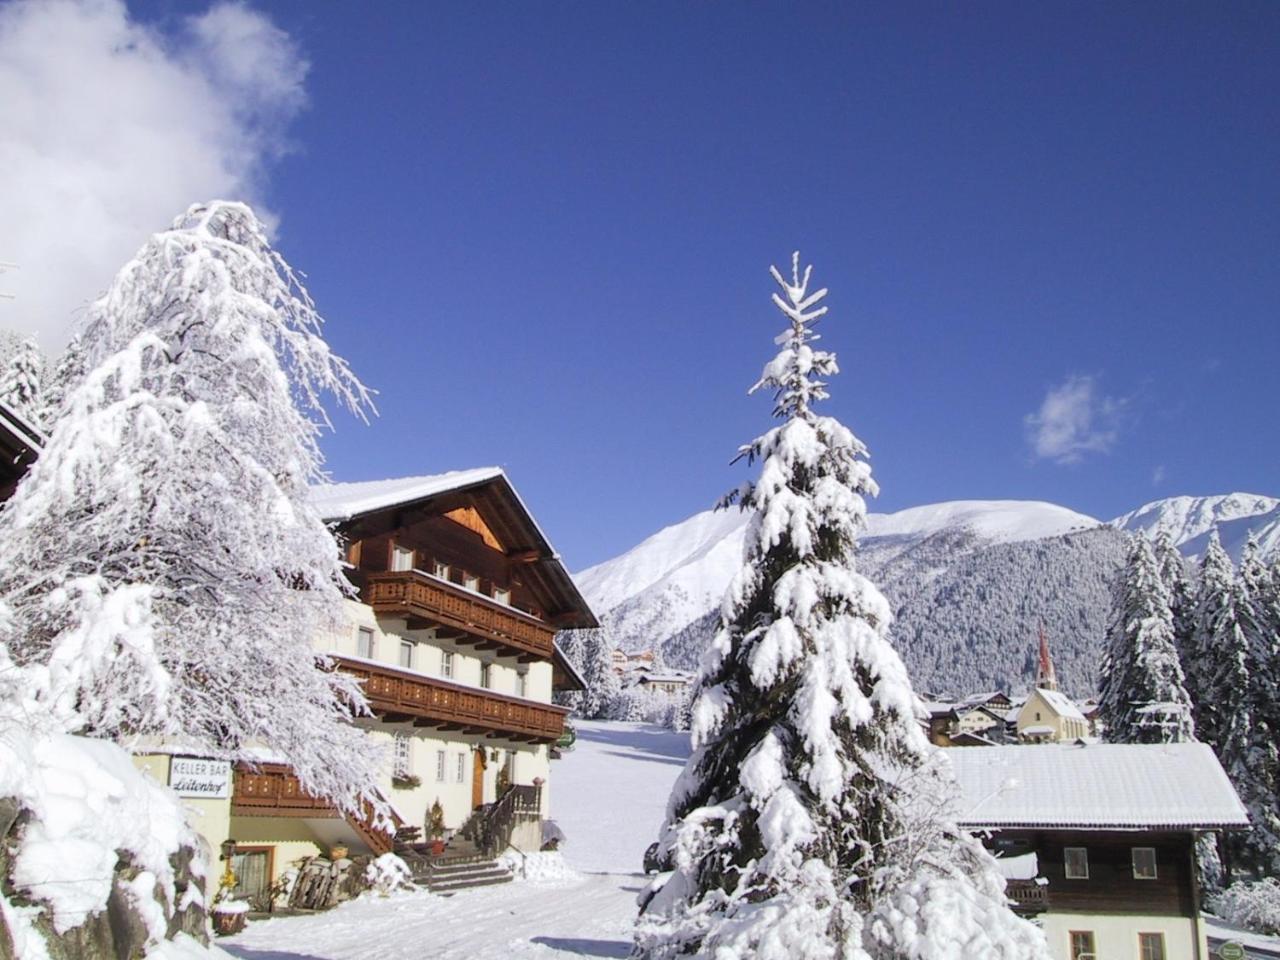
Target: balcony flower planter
{"points": [[229, 917]]}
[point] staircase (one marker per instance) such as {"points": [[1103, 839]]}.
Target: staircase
{"points": [[462, 866]]}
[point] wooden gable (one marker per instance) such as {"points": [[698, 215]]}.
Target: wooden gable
{"points": [[470, 518]]}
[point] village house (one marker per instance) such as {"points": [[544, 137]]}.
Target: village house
{"points": [[666, 684], [1097, 841], [460, 595]]}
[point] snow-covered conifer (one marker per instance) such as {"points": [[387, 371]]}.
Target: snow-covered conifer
{"points": [[1143, 698], [164, 571], [807, 822], [1173, 574], [1227, 706], [603, 683], [20, 382], [572, 648], [1256, 613]]}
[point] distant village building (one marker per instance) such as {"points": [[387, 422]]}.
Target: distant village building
{"points": [[670, 684], [1097, 841], [1049, 716]]}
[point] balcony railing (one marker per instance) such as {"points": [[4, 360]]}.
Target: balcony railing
{"points": [[271, 790], [417, 596], [428, 702], [1027, 896]]}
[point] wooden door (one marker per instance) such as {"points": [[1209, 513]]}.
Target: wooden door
{"points": [[477, 778]]}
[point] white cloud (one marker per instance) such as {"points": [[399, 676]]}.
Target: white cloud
{"points": [[109, 129], [1157, 475], [1073, 420]]}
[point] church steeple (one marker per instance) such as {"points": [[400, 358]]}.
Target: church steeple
{"points": [[1046, 679]]}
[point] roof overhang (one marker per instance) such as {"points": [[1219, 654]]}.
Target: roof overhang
{"points": [[359, 510]]}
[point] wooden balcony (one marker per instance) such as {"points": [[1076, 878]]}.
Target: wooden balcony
{"points": [[1027, 896], [271, 790], [426, 601], [398, 695]]}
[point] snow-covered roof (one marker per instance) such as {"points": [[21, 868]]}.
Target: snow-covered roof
{"points": [[664, 678], [1176, 786], [342, 501], [1060, 703], [354, 502]]}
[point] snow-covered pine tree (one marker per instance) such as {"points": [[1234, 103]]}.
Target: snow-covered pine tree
{"points": [[65, 373], [1226, 704], [1143, 699], [603, 683], [1255, 599], [806, 823], [20, 382], [1217, 665], [1173, 573], [163, 569], [570, 643]]}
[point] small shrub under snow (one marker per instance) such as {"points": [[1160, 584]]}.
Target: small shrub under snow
{"points": [[389, 874], [1254, 906], [549, 866]]}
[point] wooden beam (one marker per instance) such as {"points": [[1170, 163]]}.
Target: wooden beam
{"points": [[524, 556]]}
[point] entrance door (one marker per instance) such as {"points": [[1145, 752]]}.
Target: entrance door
{"points": [[477, 778]]}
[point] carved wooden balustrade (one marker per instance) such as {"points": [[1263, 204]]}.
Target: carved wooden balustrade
{"points": [[399, 695], [271, 790], [434, 602], [1027, 896]]}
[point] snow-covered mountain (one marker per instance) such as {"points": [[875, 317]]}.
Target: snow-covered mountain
{"points": [[971, 581], [1189, 521]]}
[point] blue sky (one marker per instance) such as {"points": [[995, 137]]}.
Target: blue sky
{"points": [[542, 232]]}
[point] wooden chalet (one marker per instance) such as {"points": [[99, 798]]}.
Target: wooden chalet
{"points": [[459, 596], [1098, 840], [20, 444]]}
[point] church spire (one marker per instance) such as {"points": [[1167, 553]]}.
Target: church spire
{"points": [[1046, 679]]}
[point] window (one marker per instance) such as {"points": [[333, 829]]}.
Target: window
{"points": [[522, 683], [442, 570], [401, 558], [446, 663], [470, 582], [440, 766], [402, 765], [1082, 945], [462, 767], [406, 653], [1144, 863], [364, 643], [1077, 863], [486, 675], [1151, 946], [502, 596]]}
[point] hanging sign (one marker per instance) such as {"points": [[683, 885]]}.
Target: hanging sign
{"points": [[195, 777]]}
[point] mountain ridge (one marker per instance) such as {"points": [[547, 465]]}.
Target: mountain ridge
{"points": [[970, 580]]}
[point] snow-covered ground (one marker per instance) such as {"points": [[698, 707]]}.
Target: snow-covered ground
{"points": [[609, 794]]}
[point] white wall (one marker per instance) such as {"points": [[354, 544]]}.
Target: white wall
{"points": [[1116, 936]]}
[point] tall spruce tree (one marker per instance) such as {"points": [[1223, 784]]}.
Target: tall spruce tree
{"points": [[603, 683], [1227, 695], [1173, 574], [806, 823], [20, 382], [1143, 698], [1258, 753], [163, 570]]}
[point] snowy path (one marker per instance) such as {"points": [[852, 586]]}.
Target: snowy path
{"points": [[609, 796]]}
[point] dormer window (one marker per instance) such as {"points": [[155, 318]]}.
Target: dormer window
{"points": [[401, 559]]}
